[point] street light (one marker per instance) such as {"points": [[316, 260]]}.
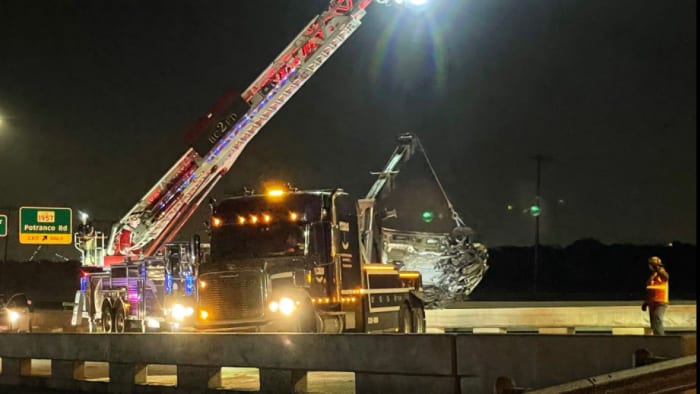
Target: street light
{"points": [[4, 120], [5, 124]]}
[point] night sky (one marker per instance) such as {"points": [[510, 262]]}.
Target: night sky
{"points": [[95, 97]]}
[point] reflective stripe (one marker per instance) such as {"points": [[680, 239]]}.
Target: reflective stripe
{"points": [[377, 291], [657, 293], [385, 309]]}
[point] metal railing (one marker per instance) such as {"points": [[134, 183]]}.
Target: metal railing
{"points": [[670, 376]]}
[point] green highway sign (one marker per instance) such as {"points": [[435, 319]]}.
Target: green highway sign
{"points": [[3, 225], [45, 226]]}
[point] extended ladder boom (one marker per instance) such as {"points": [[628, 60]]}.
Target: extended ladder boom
{"points": [[156, 218]]}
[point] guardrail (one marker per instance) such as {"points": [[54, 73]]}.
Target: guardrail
{"points": [[414, 363], [670, 376]]}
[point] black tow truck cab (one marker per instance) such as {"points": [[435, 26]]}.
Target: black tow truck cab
{"points": [[290, 261]]}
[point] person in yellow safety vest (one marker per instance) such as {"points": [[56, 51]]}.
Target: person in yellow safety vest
{"points": [[656, 297]]}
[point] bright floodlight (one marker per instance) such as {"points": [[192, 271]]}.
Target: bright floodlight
{"points": [[418, 2], [83, 216]]}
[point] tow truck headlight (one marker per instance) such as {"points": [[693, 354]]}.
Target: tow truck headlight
{"points": [[285, 306], [180, 311], [13, 316]]}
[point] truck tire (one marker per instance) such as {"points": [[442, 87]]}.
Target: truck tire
{"points": [[309, 320], [405, 319], [91, 326], [119, 319], [107, 319], [418, 325]]}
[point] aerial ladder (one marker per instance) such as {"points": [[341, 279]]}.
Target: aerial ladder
{"points": [[222, 134]]}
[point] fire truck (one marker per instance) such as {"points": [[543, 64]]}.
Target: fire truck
{"points": [[315, 261], [153, 293], [127, 275]]}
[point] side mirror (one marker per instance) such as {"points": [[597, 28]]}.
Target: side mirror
{"points": [[302, 278], [319, 241]]}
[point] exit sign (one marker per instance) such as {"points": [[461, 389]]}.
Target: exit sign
{"points": [[3, 225], [45, 226]]}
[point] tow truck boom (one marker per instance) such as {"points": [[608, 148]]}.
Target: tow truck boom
{"points": [[408, 144], [457, 262]]}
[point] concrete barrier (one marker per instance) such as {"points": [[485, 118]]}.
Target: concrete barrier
{"points": [[417, 363], [618, 319]]}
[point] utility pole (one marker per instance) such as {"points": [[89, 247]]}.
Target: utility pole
{"points": [[6, 238], [538, 158], [535, 211]]}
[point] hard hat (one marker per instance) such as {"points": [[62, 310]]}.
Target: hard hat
{"points": [[655, 260]]}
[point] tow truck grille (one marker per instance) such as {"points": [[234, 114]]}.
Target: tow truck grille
{"points": [[233, 295]]}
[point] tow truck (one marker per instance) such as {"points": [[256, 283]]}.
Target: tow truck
{"points": [[126, 275], [315, 261]]}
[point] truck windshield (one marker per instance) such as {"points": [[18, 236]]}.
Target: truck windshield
{"points": [[249, 241]]}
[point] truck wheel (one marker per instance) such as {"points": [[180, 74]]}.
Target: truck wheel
{"points": [[418, 320], [318, 324], [91, 326], [404, 319], [309, 320], [119, 319], [107, 319]]}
